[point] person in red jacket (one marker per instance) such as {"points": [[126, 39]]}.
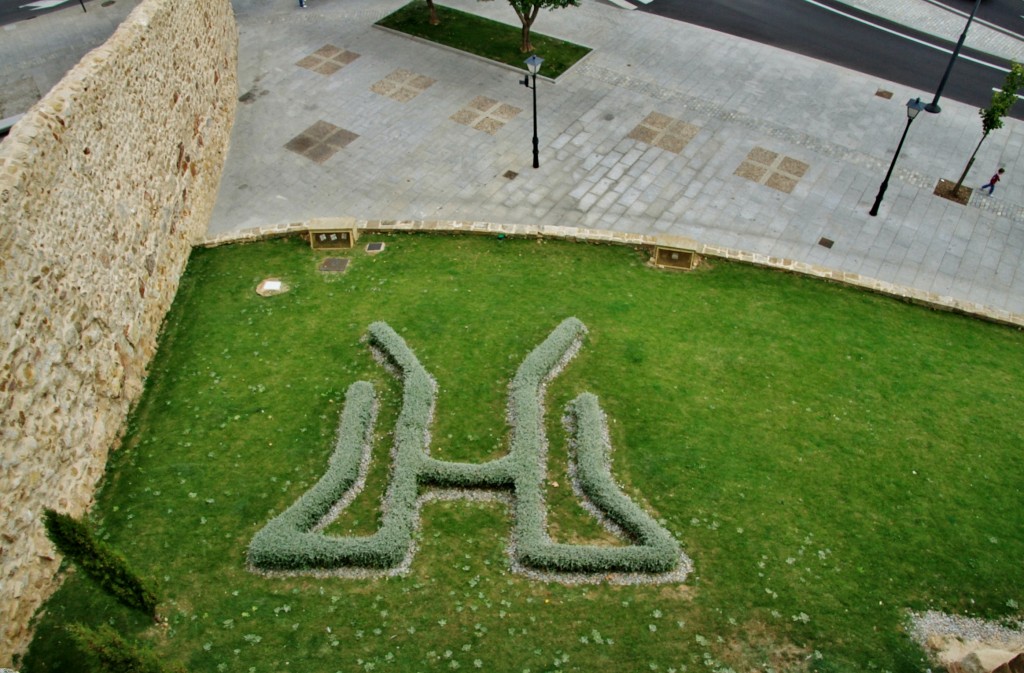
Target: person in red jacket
{"points": [[993, 180]]}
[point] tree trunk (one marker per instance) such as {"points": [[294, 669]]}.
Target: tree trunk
{"points": [[433, 13], [963, 176], [527, 21]]}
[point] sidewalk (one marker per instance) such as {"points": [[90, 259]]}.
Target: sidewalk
{"points": [[35, 54], [761, 156], [665, 128], [938, 19]]}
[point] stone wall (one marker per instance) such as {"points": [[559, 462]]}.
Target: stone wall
{"points": [[104, 186]]}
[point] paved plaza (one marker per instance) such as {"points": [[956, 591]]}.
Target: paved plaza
{"points": [[663, 128]]}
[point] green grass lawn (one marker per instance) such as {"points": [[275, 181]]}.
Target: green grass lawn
{"points": [[828, 458], [476, 35]]}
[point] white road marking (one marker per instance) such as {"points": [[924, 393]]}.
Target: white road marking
{"points": [[998, 89], [907, 37], [42, 4]]}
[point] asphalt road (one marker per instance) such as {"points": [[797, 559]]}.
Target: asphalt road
{"points": [[22, 10], [1003, 13], [833, 32]]}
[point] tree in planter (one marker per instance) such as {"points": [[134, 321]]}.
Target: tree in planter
{"points": [[992, 116], [433, 13], [103, 565], [527, 11]]}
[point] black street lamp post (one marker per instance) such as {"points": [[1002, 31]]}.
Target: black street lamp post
{"points": [[934, 105], [913, 107], [533, 64]]}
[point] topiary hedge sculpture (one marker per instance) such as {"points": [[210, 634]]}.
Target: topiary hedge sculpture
{"points": [[293, 541]]}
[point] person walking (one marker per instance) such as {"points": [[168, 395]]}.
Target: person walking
{"points": [[993, 180]]}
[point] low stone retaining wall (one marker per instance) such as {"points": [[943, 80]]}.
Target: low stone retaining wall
{"points": [[105, 185], [584, 235]]}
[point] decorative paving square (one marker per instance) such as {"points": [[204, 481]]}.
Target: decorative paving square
{"points": [[772, 169], [486, 114], [403, 85], [320, 141], [665, 132], [328, 59]]}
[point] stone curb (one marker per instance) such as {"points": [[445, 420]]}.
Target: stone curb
{"points": [[584, 235]]}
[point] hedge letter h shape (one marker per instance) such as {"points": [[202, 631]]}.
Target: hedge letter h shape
{"points": [[293, 541]]}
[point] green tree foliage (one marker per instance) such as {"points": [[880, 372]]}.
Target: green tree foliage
{"points": [[527, 11], [992, 116], [102, 564], [108, 652]]}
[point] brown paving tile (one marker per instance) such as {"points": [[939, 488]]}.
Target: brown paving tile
{"points": [[482, 103], [400, 75], [751, 171], [402, 85], [506, 112], [762, 156], [781, 182], [404, 94], [489, 125], [673, 144], [300, 144], [346, 57], [683, 130], [464, 116], [327, 51], [663, 131], [340, 138], [385, 87], [644, 134], [326, 68], [319, 153], [320, 141], [320, 130], [422, 82], [327, 60], [772, 169], [657, 120], [794, 167]]}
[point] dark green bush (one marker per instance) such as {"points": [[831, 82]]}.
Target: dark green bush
{"points": [[103, 565], [108, 652]]}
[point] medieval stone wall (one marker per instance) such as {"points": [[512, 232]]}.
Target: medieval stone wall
{"points": [[104, 186]]}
